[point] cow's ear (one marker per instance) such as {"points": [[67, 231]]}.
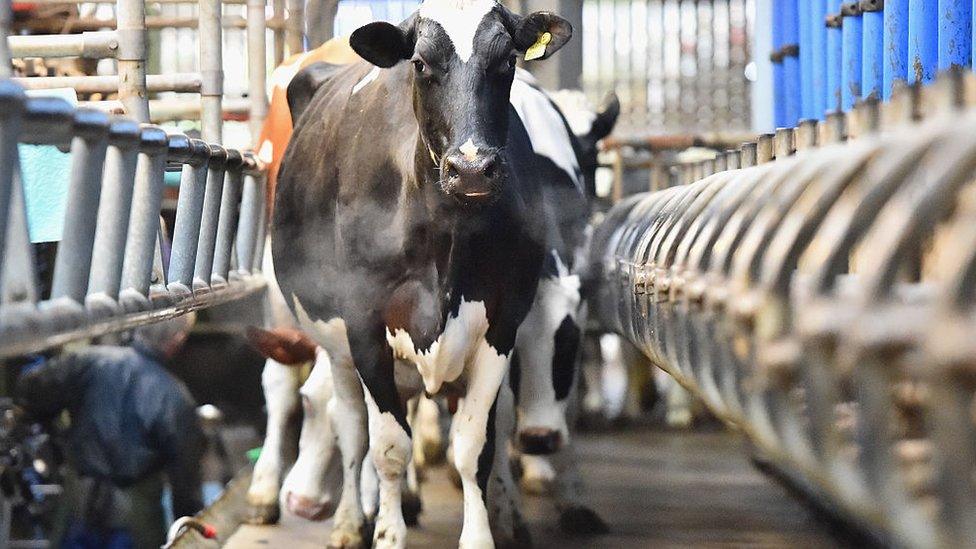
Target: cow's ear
{"points": [[606, 118], [541, 34], [384, 44]]}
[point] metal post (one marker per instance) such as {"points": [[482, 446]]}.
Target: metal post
{"points": [[807, 91], [211, 71], [872, 54], [6, 17], [147, 196], [955, 34], [834, 47], [279, 32], [791, 60], [11, 114], [211, 214], [257, 67], [923, 43], [113, 214], [229, 201], [189, 210], [895, 45], [73, 263], [247, 229], [776, 57], [851, 26], [818, 54], [295, 26], [131, 21]]}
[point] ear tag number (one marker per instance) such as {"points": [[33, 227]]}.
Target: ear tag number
{"points": [[538, 49]]}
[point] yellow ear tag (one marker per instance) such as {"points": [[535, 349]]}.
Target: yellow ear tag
{"points": [[538, 49]]}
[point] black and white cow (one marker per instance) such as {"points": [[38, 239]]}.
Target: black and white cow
{"points": [[408, 215]]}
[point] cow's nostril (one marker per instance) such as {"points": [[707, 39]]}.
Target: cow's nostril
{"points": [[452, 171]]}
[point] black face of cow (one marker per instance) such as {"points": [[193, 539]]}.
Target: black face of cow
{"points": [[463, 54], [603, 123]]}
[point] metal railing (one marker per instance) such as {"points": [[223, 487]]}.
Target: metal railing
{"points": [[823, 303], [110, 271], [677, 65], [827, 54]]}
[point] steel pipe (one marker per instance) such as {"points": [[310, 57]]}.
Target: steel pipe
{"points": [[955, 34], [88, 45], [211, 71], [923, 43], [851, 49], [895, 45], [179, 82]]}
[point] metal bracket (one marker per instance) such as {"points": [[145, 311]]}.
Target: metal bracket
{"points": [[850, 9], [868, 6]]}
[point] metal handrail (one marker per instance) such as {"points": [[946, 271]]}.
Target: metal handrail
{"points": [[108, 273]]}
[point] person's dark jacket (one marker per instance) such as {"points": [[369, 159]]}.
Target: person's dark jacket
{"points": [[130, 418]]}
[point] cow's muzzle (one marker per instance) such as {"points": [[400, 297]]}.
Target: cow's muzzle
{"points": [[473, 178]]}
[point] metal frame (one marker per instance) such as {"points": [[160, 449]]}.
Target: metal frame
{"points": [[108, 272], [821, 299]]}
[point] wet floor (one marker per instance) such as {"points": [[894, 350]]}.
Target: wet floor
{"points": [[655, 488]]}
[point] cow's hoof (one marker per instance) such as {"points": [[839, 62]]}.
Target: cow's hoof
{"points": [[411, 507], [582, 521], [260, 514], [680, 418], [349, 536], [309, 508]]}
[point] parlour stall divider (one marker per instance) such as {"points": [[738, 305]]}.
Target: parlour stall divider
{"points": [[821, 297]]}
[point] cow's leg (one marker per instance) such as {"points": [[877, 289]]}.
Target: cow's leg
{"points": [[306, 490], [568, 495], [469, 436], [390, 451], [280, 384], [349, 423], [428, 448], [370, 487], [547, 347], [504, 501]]}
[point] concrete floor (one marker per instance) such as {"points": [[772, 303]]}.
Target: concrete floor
{"points": [[655, 488]]}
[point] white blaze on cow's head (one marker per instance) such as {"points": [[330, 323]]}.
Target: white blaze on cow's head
{"points": [[463, 54]]}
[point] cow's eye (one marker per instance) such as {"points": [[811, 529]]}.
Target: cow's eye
{"points": [[419, 66], [511, 62]]}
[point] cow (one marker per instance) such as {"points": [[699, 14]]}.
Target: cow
{"points": [[408, 238]]}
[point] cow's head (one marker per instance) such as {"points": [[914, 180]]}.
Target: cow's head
{"points": [[463, 54]]}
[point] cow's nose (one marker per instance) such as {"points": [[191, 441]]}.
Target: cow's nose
{"points": [[472, 177]]}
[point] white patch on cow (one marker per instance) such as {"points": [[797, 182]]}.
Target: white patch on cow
{"points": [[447, 356], [266, 152], [469, 150], [538, 474], [459, 19], [577, 110], [545, 127], [280, 384], [281, 76], [370, 487], [313, 483], [556, 298], [370, 76], [390, 452], [485, 373]]}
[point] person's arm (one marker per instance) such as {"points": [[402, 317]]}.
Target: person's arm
{"points": [[184, 445], [45, 390]]}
